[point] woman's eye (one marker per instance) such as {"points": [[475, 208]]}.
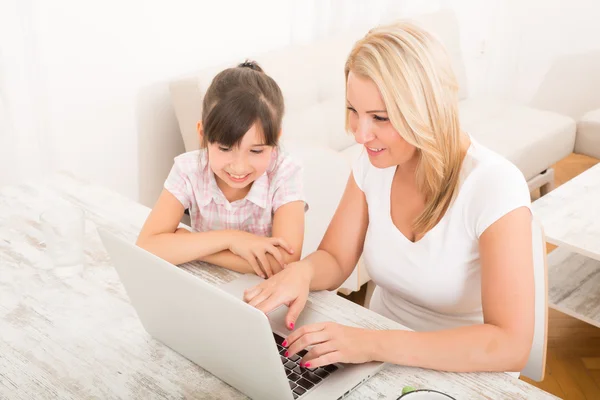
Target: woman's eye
{"points": [[378, 118], [351, 109], [225, 149], [256, 151]]}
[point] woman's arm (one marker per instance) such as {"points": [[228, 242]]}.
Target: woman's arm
{"points": [[503, 341], [343, 242]]}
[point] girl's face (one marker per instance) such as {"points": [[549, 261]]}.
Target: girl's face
{"points": [[237, 167], [371, 126]]}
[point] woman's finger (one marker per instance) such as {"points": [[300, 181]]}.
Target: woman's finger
{"points": [[259, 298], [326, 359], [319, 350], [272, 302], [306, 340], [251, 293]]}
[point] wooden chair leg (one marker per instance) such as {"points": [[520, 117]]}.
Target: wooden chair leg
{"points": [[370, 288]]}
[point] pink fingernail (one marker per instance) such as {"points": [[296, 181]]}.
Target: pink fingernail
{"points": [[291, 325], [307, 365], [287, 353], [284, 344]]}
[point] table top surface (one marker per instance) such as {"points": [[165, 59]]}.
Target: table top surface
{"points": [[570, 214], [78, 337]]}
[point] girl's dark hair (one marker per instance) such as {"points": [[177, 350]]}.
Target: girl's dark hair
{"points": [[236, 99]]}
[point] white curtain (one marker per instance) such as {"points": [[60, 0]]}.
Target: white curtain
{"points": [[314, 19], [23, 150]]}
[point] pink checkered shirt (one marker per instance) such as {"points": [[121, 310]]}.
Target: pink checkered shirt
{"points": [[193, 183]]}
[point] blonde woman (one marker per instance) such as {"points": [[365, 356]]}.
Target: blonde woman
{"points": [[443, 224]]}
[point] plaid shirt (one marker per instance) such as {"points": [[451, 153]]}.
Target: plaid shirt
{"points": [[193, 183]]}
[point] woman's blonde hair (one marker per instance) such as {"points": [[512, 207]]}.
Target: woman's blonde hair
{"points": [[414, 75]]}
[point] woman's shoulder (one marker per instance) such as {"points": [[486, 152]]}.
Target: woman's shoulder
{"points": [[485, 167], [493, 186]]}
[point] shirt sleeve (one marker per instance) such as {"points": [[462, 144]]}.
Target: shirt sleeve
{"points": [[179, 185], [360, 169], [498, 189], [288, 183]]}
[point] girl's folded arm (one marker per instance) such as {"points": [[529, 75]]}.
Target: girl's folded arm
{"points": [[158, 234], [288, 224]]}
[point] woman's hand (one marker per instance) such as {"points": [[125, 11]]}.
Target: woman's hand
{"points": [[254, 249], [290, 287], [332, 343]]}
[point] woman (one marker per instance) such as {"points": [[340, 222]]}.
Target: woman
{"points": [[443, 223]]}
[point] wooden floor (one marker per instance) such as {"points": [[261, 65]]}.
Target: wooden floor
{"points": [[573, 360]]}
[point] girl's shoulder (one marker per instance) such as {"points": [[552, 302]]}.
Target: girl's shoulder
{"points": [[283, 166], [192, 162]]}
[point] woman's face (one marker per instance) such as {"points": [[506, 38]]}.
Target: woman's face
{"points": [[371, 127]]}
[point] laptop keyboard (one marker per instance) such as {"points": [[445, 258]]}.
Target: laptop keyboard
{"points": [[301, 379]]}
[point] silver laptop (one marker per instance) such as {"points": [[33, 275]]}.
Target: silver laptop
{"points": [[214, 328]]}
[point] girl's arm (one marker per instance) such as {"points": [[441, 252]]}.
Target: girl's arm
{"points": [[288, 224], [158, 234], [161, 237], [503, 341], [343, 242]]}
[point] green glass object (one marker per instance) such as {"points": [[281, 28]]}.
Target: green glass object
{"points": [[407, 389]]}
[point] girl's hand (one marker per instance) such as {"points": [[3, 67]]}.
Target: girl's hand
{"points": [[332, 343], [254, 249], [290, 287]]}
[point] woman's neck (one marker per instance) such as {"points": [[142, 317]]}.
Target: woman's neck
{"points": [[407, 171]]}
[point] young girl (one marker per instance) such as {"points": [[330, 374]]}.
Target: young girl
{"points": [[243, 194]]}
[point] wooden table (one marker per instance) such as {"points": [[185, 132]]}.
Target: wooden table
{"points": [[79, 338], [570, 215]]}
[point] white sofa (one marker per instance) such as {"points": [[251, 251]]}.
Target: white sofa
{"points": [[312, 80]]}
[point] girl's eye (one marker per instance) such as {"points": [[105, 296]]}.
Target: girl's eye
{"points": [[224, 149], [256, 151], [378, 118]]}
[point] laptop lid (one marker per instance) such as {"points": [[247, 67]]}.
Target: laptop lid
{"points": [[221, 333]]}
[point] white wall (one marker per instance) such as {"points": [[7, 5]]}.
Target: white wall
{"points": [[83, 84], [559, 55], [545, 53], [105, 66], [23, 134]]}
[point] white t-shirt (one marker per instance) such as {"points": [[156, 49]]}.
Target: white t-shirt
{"points": [[435, 283]]}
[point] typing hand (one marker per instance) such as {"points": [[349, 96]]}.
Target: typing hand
{"points": [[290, 287], [332, 343]]}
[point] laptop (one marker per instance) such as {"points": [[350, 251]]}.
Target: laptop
{"points": [[214, 328]]}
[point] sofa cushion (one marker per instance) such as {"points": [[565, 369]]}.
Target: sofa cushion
{"points": [[321, 124], [532, 139], [588, 134]]}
